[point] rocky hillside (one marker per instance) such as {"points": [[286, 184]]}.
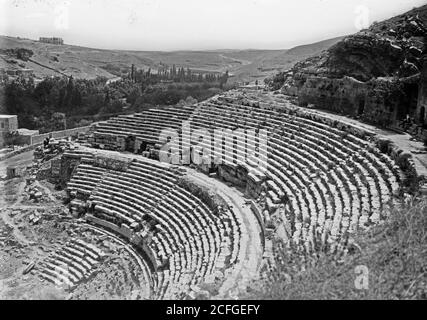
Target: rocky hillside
{"points": [[373, 74], [76, 61]]}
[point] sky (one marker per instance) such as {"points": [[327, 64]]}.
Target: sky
{"points": [[193, 24]]}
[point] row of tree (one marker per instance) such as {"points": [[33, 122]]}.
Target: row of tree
{"points": [[175, 74], [37, 103]]}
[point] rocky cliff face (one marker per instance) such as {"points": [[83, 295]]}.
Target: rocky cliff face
{"points": [[375, 74]]}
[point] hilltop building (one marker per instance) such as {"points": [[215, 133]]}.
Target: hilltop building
{"points": [[53, 40], [11, 134], [8, 123], [26, 72]]}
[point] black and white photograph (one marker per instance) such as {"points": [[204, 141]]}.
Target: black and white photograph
{"points": [[235, 151]]}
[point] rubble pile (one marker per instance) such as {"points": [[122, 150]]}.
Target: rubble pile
{"points": [[51, 148], [32, 188], [35, 217]]}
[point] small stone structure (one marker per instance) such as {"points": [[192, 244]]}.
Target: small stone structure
{"points": [[15, 171], [8, 124]]}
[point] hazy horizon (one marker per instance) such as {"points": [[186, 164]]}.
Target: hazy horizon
{"points": [[179, 50], [193, 25]]}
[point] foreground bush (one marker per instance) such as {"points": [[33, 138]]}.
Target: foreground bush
{"points": [[387, 262]]}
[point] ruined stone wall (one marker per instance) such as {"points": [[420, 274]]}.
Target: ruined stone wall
{"points": [[236, 175], [37, 139], [209, 197], [254, 185], [67, 166], [109, 142], [59, 134], [376, 101], [338, 95], [69, 132], [22, 140]]}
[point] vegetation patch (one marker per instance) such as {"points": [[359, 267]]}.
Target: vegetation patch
{"points": [[388, 261]]}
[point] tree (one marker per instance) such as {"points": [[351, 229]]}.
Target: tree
{"points": [[223, 80], [188, 75], [132, 73], [173, 71]]}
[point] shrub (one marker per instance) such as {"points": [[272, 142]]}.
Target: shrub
{"points": [[395, 254]]}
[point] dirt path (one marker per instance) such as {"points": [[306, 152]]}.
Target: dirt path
{"points": [[404, 142], [47, 67], [250, 243], [19, 236], [23, 159], [20, 195]]}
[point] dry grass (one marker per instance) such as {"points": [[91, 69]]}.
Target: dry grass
{"points": [[395, 254]]}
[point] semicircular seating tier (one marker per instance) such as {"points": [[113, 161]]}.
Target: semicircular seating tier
{"points": [[141, 200], [328, 178]]}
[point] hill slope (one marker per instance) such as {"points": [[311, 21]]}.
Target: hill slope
{"points": [[88, 63], [266, 63]]}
